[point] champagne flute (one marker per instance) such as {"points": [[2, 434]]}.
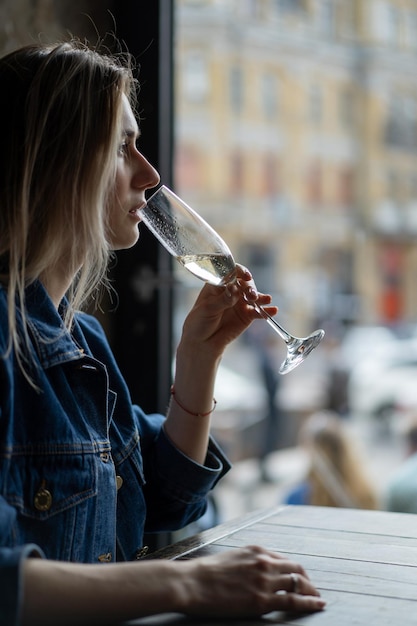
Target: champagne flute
{"points": [[201, 250]]}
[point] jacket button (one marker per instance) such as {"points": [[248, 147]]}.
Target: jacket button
{"points": [[141, 552], [105, 558], [119, 482], [43, 498]]}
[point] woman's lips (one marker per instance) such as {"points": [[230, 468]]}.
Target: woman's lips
{"points": [[136, 210]]}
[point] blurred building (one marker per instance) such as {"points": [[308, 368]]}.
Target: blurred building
{"points": [[296, 137]]}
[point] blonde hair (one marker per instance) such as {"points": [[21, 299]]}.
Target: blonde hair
{"points": [[60, 107], [337, 475]]}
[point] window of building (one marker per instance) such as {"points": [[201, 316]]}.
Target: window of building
{"points": [[251, 8], [195, 77], [413, 186], [236, 89], [410, 27], [347, 112], [393, 185], [315, 103], [325, 17], [271, 180], [346, 186], [315, 183], [236, 173], [188, 165], [269, 95], [261, 259], [401, 123], [290, 6], [385, 21]]}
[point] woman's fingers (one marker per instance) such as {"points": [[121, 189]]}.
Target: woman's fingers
{"points": [[243, 273], [247, 286], [298, 584], [252, 581], [296, 602]]}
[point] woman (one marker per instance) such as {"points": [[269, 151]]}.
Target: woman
{"points": [[336, 474], [83, 473]]}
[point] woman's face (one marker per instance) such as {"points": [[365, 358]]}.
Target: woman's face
{"points": [[134, 176]]}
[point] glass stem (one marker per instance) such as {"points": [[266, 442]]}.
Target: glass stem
{"points": [[273, 323], [270, 320]]}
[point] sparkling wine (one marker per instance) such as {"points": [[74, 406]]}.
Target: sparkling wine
{"points": [[216, 269], [188, 237]]}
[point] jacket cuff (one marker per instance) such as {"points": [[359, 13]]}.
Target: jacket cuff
{"points": [[175, 468], [11, 583]]}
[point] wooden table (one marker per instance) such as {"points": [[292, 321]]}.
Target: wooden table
{"points": [[363, 562]]}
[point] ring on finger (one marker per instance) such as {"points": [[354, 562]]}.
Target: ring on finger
{"points": [[295, 583]]}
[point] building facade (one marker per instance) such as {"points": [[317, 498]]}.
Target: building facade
{"points": [[296, 137]]}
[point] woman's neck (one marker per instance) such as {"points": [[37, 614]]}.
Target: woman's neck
{"points": [[56, 284]]}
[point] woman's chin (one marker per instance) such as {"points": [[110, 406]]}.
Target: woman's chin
{"points": [[126, 242]]}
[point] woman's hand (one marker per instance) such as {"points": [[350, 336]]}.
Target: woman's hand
{"points": [[221, 314], [248, 582], [242, 583]]}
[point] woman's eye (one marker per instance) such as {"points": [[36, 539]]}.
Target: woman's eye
{"points": [[123, 149]]}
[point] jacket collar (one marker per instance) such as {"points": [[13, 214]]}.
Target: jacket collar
{"points": [[53, 343]]}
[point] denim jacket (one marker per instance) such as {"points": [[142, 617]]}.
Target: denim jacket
{"points": [[83, 472]]}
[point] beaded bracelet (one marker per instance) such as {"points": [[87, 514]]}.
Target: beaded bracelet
{"points": [[190, 412]]}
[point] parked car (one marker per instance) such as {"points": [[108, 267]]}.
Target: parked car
{"points": [[361, 343], [379, 386]]}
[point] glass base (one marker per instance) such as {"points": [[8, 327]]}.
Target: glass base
{"points": [[298, 349]]}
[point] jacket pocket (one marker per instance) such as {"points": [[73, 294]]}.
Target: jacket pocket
{"points": [[53, 490], [43, 481]]}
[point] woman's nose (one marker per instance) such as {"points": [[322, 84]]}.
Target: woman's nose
{"points": [[145, 176]]}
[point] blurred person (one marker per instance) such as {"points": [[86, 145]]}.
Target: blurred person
{"points": [[84, 472], [266, 348], [401, 491], [336, 475]]}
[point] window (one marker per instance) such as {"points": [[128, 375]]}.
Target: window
{"points": [[236, 173], [385, 21], [393, 186], [346, 189], [236, 89], [269, 95], [315, 105], [325, 17], [401, 124], [261, 259], [413, 186], [271, 176], [314, 184], [410, 24], [196, 80], [188, 166], [347, 109], [290, 6]]}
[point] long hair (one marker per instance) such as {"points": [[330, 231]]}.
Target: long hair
{"points": [[60, 110], [337, 474]]}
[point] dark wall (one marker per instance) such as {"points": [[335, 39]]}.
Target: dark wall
{"points": [[141, 326]]}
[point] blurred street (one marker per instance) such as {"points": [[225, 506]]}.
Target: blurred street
{"points": [[243, 489], [302, 391]]}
